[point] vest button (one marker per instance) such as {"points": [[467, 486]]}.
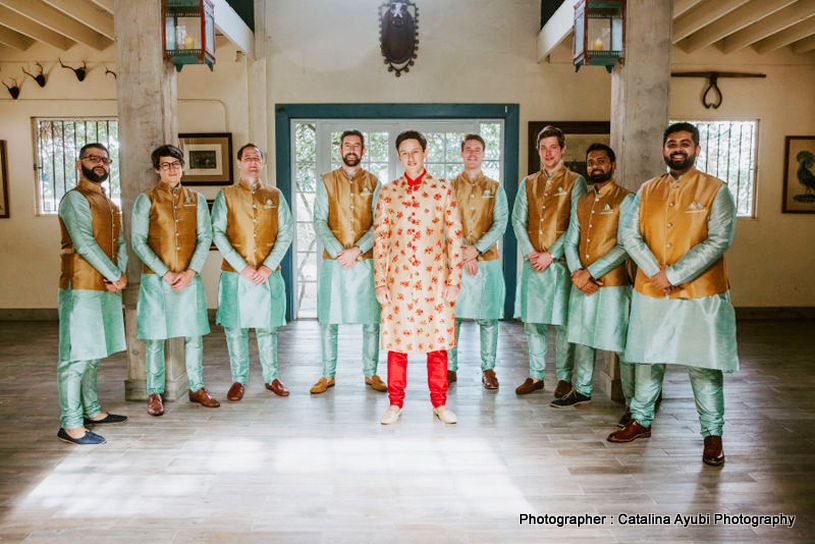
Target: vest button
{"points": [[589, 225], [587, 255], [671, 204], [669, 225], [588, 239], [667, 245]]}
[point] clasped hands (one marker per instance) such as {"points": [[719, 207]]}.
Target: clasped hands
{"points": [[469, 255], [540, 261], [257, 275], [179, 280], [583, 281], [116, 286], [660, 281], [383, 295], [348, 257]]}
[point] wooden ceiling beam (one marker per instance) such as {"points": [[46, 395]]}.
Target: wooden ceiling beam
{"points": [[34, 30], [48, 16], [106, 5], [701, 15], [804, 46], [681, 6], [87, 13], [781, 19], [14, 39], [796, 32]]}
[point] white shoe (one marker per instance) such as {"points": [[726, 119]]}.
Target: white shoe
{"points": [[391, 415], [445, 414]]}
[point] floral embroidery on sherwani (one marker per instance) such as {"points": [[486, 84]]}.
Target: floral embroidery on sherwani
{"points": [[417, 254]]}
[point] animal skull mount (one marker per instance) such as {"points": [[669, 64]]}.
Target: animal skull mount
{"points": [[80, 72], [399, 34], [39, 78], [14, 90]]}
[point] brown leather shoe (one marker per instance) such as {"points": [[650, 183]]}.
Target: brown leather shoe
{"points": [[451, 377], [203, 398], [713, 454], [376, 383], [563, 388], [154, 405], [528, 386], [236, 391], [631, 431], [489, 380], [321, 386], [277, 388]]}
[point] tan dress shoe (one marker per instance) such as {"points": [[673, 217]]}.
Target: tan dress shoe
{"points": [[489, 380], [376, 383], [277, 388], [236, 391], [203, 398], [713, 454], [322, 385], [154, 405], [528, 386], [445, 415], [451, 377], [563, 388], [631, 431]]}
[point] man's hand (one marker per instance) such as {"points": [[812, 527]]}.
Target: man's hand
{"points": [[591, 287], [383, 295], [170, 277], [471, 267], [580, 278], [469, 253], [660, 280], [348, 257], [540, 261], [252, 275], [183, 279], [451, 293], [121, 283], [264, 272]]}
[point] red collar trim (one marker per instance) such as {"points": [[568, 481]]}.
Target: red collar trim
{"points": [[417, 181]]}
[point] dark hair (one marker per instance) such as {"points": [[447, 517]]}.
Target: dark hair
{"points": [[166, 150], [96, 145], [549, 131], [354, 132], [681, 127], [411, 135], [246, 146], [602, 147], [476, 137]]}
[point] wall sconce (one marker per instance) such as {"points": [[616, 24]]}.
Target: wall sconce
{"points": [[189, 32], [599, 33]]}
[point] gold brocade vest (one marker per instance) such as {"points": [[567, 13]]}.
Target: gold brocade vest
{"points": [[106, 221], [598, 214], [475, 200], [251, 222], [172, 235], [549, 205], [350, 204], [673, 218]]}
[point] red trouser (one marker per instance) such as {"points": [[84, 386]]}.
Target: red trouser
{"points": [[436, 377]]}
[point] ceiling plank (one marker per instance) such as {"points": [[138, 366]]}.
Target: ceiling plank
{"points": [[86, 13], [701, 15], [681, 6], [39, 11], [34, 30], [106, 5], [559, 26], [14, 39], [743, 16], [804, 46], [768, 26], [796, 32]]}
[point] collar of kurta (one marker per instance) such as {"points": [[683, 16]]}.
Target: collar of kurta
{"points": [[412, 183], [252, 187], [349, 176], [88, 185], [167, 187], [684, 176], [472, 179], [605, 189], [549, 175]]}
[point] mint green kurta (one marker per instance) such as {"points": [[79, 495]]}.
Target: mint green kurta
{"points": [[542, 297], [344, 295], [600, 320], [162, 312], [482, 296], [241, 303], [91, 323], [697, 332]]}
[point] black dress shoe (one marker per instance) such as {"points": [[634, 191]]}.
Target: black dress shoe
{"points": [[109, 419], [89, 439]]}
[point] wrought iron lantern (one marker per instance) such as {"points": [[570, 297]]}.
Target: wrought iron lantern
{"points": [[189, 32], [599, 33]]}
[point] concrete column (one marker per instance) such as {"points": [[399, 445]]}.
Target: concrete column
{"points": [[147, 109], [260, 111], [640, 99]]}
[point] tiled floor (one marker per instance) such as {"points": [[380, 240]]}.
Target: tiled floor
{"points": [[321, 469]]}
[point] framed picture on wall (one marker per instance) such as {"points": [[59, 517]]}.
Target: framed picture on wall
{"points": [[3, 181], [207, 158], [799, 175], [579, 136]]}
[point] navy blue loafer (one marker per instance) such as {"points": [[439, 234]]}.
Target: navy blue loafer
{"points": [[88, 440], [110, 418]]}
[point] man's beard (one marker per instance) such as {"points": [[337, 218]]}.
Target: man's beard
{"points": [[598, 176], [351, 159], [93, 176], [680, 164]]}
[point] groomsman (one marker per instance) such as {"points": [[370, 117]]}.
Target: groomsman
{"points": [[343, 222], [600, 297], [93, 260], [540, 219], [677, 231], [482, 205], [417, 269], [171, 234], [252, 228]]}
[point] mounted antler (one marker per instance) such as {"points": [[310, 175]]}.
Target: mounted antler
{"points": [[111, 72], [80, 72], [14, 90], [39, 78]]}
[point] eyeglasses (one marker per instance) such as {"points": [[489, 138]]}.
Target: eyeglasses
{"points": [[165, 166], [252, 159], [96, 159]]}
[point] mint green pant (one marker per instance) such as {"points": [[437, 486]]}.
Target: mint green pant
{"points": [[707, 391], [584, 357], [627, 379], [370, 348], [154, 363], [237, 342], [76, 381], [489, 344], [538, 346]]}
